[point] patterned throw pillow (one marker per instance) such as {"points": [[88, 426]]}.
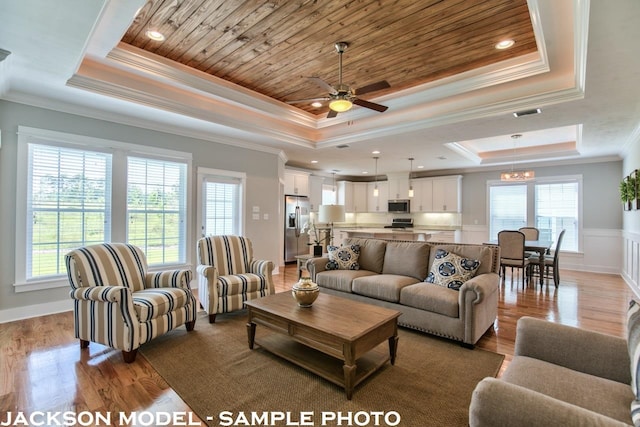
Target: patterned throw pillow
{"points": [[450, 270], [343, 257], [633, 343]]}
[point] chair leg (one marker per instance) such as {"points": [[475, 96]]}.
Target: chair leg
{"points": [[84, 344], [212, 318], [556, 276], [129, 356], [190, 325]]}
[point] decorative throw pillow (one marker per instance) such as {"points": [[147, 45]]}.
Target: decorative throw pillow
{"points": [[451, 270], [343, 257], [633, 343]]}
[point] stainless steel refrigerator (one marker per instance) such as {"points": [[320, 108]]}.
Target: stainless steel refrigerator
{"points": [[296, 215]]}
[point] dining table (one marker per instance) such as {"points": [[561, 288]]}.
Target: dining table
{"points": [[539, 246]]}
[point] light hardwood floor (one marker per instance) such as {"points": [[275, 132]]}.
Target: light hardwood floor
{"points": [[43, 369]]}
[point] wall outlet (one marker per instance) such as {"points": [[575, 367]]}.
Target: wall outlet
{"points": [[256, 217]]}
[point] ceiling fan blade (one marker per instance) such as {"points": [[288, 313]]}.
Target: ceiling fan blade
{"points": [[383, 84], [324, 85], [371, 105], [332, 114], [325, 98]]}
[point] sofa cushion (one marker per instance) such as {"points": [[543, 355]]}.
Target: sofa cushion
{"points": [[596, 394], [451, 270], [340, 280], [633, 343], [482, 253], [384, 287], [406, 259], [343, 257], [436, 299], [371, 253]]}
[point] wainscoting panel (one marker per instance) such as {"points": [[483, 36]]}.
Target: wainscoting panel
{"points": [[631, 260]]}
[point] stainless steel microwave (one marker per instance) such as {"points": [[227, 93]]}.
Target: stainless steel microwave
{"points": [[399, 206]]}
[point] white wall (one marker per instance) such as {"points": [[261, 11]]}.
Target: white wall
{"points": [[262, 190], [631, 222]]}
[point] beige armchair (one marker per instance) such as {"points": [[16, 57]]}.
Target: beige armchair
{"points": [[559, 376], [228, 275], [118, 303]]}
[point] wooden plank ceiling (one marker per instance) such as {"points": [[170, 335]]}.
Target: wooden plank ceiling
{"points": [[272, 47]]}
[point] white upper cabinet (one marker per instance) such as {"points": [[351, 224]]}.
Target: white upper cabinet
{"points": [[398, 187], [447, 194], [296, 183], [353, 195], [422, 200], [315, 192], [380, 203]]}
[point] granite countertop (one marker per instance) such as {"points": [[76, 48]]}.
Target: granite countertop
{"points": [[376, 230]]}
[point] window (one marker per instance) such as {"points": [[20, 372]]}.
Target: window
{"points": [[550, 205], [68, 205], [156, 209], [222, 202], [76, 192], [508, 208]]}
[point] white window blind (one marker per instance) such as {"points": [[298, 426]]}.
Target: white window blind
{"points": [[221, 206], [68, 205], [507, 208], [156, 209], [557, 209]]}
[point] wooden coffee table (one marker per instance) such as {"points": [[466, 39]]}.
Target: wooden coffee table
{"points": [[335, 338]]}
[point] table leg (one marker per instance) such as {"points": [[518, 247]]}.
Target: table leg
{"points": [[251, 334], [349, 378], [393, 348], [541, 265]]}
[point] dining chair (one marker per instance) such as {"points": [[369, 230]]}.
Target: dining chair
{"points": [[551, 262], [512, 255], [530, 233]]}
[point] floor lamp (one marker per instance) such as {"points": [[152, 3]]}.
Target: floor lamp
{"points": [[329, 214]]}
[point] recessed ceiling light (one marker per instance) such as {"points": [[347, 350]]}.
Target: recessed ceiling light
{"points": [[364, 172], [314, 161], [420, 167], [316, 104], [375, 152], [155, 35], [505, 44]]}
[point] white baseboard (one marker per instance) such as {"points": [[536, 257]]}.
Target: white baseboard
{"points": [[36, 310]]}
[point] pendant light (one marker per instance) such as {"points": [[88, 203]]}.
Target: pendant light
{"points": [[410, 172], [375, 187], [525, 175]]}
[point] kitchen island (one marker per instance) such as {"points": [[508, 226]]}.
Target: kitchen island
{"points": [[390, 233]]}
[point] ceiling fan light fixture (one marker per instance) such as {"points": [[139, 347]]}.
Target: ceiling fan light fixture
{"points": [[340, 105]]}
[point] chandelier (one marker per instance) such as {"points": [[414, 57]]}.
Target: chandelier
{"points": [[513, 175]]}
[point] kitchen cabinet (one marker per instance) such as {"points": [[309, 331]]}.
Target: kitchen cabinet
{"points": [[443, 237], [447, 194], [422, 200], [296, 183], [398, 188], [380, 203], [353, 195], [315, 192]]}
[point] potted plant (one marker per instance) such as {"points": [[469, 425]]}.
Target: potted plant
{"points": [[628, 191], [311, 229]]}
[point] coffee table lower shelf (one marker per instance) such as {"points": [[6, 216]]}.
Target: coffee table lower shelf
{"points": [[321, 364]]}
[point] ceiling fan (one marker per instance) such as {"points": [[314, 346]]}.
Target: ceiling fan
{"points": [[342, 97]]}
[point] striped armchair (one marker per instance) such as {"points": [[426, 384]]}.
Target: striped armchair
{"points": [[228, 275], [119, 304]]}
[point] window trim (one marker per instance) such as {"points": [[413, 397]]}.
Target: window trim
{"points": [[119, 150], [556, 179], [202, 174]]}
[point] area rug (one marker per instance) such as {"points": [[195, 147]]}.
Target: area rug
{"points": [[225, 383]]}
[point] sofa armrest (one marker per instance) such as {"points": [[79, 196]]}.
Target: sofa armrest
{"points": [[168, 279], [315, 266], [498, 403], [578, 349], [479, 286]]}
